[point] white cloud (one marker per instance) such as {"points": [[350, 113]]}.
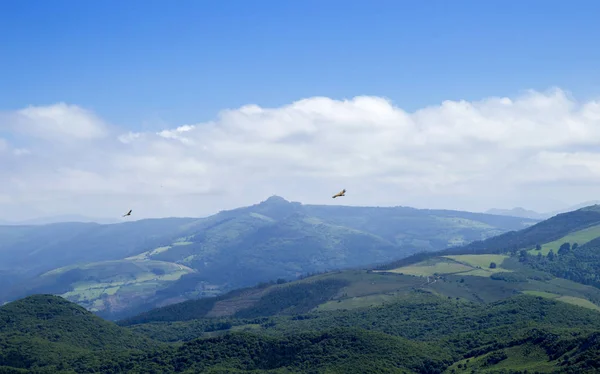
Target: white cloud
{"points": [[537, 150], [54, 122]]}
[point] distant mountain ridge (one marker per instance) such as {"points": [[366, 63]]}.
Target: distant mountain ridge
{"points": [[518, 212], [126, 267], [65, 218], [526, 213]]}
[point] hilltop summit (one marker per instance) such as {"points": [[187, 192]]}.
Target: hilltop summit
{"points": [[274, 199], [54, 319]]}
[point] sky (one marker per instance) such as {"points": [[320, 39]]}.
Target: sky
{"points": [[191, 107]]}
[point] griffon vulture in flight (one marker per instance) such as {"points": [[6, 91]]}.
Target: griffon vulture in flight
{"points": [[128, 213], [340, 194]]}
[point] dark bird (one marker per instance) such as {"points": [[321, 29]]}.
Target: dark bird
{"points": [[340, 194], [128, 213]]}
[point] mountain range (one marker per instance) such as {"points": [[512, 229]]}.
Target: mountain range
{"points": [[119, 269], [523, 301]]}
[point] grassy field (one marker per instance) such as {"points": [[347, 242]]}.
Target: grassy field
{"points": [[474, 265], [116, 278], [580, 237], [432, 267], [564, 298], [522, 357], [148, 254], [482, 261]]}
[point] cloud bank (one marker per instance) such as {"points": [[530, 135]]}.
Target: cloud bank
{"points": [[540, 150]]}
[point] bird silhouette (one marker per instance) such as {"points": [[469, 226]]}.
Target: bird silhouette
{"points": [[128, 213], [340, 194]]}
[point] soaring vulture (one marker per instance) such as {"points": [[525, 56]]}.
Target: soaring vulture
{"points": [[340, 194]]}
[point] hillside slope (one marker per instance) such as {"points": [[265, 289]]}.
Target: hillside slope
{"points": [[520, 333], [566, 246], [496, 272], [45, 330], [453, 277], [421, 333], [544, 232], [102, 266], [32, 250]]}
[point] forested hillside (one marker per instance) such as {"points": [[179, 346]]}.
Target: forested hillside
{"points": [[421, 333]]}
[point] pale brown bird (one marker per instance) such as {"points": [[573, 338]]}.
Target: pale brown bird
{"points": [[128, 213], [340, 194]]}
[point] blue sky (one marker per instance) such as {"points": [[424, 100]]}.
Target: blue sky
{"points": [[148, 67], [144, 64]]}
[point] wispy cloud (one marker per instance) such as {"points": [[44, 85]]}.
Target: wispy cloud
{"points": [[529, 150]]}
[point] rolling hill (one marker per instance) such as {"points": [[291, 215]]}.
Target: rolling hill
{"points": [[121, 269], [418, 333], [45, 333]]}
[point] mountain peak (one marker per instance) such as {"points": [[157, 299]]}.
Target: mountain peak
{"points": [[275, 200], [35, 305]]}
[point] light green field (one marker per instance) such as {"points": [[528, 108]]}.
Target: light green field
{"points": [[474, 265], [548, 295], [116, 278], [522, 357], [567, 299], [148, 254], [579, 301], [482, 261], [580, 237], [481, 264], [426, 268]]}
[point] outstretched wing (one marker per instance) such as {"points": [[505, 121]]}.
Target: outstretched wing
{"points": [[339, 194]]}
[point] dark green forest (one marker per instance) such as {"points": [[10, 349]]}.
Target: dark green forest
{"points": [[421, 333]]}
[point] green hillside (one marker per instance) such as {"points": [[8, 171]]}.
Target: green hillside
{"points": [[57, 320], [49, 332], [418, 333], [578, 237], [459, 277], [566, 246], [581, 264], [118, 270]]}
